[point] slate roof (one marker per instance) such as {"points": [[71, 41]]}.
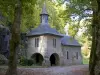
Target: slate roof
{"points": [[44, 29], [68, 40]]}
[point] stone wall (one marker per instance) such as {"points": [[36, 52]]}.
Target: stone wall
{"points": [[31, 46], [4, 41], [45, 48], [51, 49], [72, 55]]}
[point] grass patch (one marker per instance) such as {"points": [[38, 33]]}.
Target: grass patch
{"points": [[85, 61]]}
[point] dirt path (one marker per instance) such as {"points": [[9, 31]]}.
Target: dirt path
{"points": [[69, 70], [66, 70]]}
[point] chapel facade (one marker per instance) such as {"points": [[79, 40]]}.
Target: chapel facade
{"points": [[48, 47]]}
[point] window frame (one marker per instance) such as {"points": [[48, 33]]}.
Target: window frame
{"points": [[67, 55], [36, 42], [76, 55], [54, 42]]}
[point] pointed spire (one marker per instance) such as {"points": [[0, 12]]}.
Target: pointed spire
{"points": [[44, 11], [44, 15]]}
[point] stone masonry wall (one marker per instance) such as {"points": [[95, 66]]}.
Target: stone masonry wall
{"points": [[31, 46], [72, 58], [57, 49], [45, 48]]}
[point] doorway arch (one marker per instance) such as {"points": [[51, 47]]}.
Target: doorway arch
{"points": [[54, 59], [37, 58]]}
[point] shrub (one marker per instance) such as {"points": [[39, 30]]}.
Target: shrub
{"points": [[3, 59], [25, 62], [30, 62]]}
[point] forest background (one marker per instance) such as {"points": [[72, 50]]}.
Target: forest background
{"points": [[70, 17]]}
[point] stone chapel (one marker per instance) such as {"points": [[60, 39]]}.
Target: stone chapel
{"points": [[46, 46]]}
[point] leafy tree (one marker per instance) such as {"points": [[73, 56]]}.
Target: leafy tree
{"points": [[15, 39], [78, 16], [78, 7], [16, 12], [55, 19], [13, 10], [94, 66]]}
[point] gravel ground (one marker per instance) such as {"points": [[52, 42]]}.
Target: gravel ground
{"points": [[66, 70]]}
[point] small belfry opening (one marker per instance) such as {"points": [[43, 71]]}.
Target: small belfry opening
{"points": [[37, 59], [54, 59]]}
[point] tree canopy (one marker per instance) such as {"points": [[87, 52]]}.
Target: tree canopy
{"points": [[75, 16]]}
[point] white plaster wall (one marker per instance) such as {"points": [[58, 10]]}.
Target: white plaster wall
{"points": [[42, 46], [57, 49], [45, 48], [72, 55]]}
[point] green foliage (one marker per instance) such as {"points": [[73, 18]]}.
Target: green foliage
{"points": [[85, 61], [31, 10], [3, 59], [30, 62], [79, 21], [25, 62], [55, 18]]}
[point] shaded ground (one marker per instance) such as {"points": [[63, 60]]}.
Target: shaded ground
{"points": [[66, 70]]}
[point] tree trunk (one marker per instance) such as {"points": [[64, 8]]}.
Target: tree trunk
{"points": [[94, 65], [15, 39]]}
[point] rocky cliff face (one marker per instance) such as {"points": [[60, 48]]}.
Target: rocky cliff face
{"points": [[4, 41]]}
